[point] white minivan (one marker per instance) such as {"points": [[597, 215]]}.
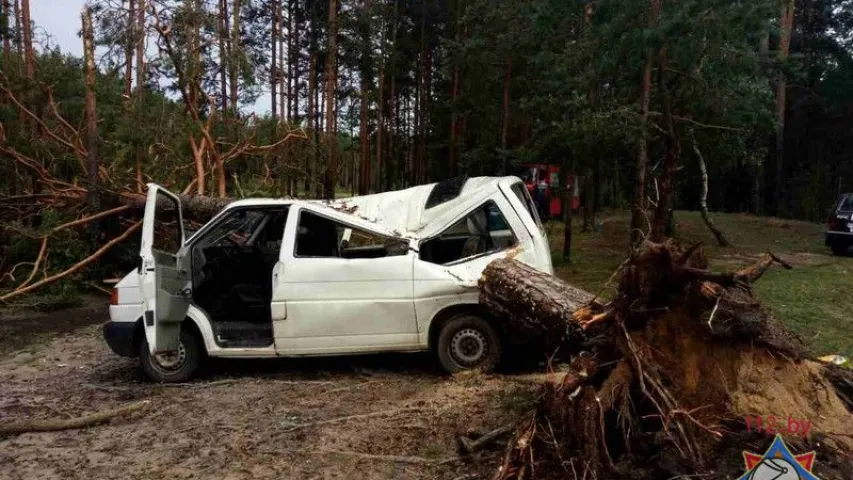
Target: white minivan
{"points": [[394, 271]]}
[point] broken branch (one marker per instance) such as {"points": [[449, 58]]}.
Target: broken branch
{"points": [[53, 425], [470, 446], [82, 263], [355, 417]]}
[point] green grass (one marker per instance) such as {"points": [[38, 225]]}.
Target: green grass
{"points": [[815, 298]]}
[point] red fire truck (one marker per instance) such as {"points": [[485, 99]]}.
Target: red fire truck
{"points": [[542, 181]]}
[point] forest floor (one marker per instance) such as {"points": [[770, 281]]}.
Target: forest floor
{"points": [[257, 419], [250, 418]]}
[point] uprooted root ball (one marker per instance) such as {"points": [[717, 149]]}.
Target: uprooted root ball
{"points": [[689, 355]]}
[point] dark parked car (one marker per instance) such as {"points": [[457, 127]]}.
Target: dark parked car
{"points": [[839, 231]]}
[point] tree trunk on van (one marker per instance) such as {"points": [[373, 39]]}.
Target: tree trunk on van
{"points": [[535, 305]]}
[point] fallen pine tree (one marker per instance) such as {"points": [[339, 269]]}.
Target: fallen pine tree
{"points": [[662, 377]]}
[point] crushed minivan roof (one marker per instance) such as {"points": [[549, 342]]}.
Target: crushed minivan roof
{"points": [[406, 212], [403, 212]]}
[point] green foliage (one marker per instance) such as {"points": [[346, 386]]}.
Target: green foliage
{"points": [[544, 81]]}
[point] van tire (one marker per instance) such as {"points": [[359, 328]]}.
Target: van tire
{"points": [[191, 352], [468, 342], [839, 250]]}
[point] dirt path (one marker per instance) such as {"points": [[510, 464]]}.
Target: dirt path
{"points": [[248, 419]]}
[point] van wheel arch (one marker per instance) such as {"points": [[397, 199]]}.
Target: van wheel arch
{"points": [[442, 317], [188, 323]]}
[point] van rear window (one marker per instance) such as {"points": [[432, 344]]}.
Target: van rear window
{"points": [[524, 196]]}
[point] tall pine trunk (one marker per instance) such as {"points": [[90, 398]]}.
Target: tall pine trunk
{"points": [[453, 150], [364, 183], [91, 107], [283, 73], [27, 31], [380, 123], [663, 211], [293, 50], [567, 194], [7, 40], [312, 116], [234, 60], [505, 114], [139, 38], [330, 179], [638, 207], [224, 55], [19, 44], [128, 52], [274, 77], [787, 27]]}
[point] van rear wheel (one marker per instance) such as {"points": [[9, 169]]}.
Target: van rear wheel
{"points": [[468, 342], [174, 367]]}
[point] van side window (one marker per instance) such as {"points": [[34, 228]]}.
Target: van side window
{"points": [[167, 226], [318, 236], [485, 230], [524, 196]]}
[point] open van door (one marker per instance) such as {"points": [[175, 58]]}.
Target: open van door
{"points": [[164, 276]]}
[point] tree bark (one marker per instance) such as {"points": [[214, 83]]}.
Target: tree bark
{"points": [[453, 154], [283, 77], [505, 113], [532, 304], [453, 150], [425, 114], [198, 150], [293, 50], [139, 38], [567, 194], [274, 77], [703, 197], [129, 51], [312, 117], [787, 27], [638, 208], [364, 184], [587, 192], [330, 179], [234, 60], [91, 107], [19, 44], [663, 211], [27, 31], [224, 55], [380, 124], [7, 40]]}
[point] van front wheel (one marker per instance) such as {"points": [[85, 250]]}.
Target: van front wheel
{"points": [[174, 367], [468, 342]]}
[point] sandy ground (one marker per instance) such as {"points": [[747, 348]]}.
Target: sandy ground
{"points": [[246, 419]]}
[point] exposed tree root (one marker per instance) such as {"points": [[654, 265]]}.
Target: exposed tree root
{"points": [[673, 365]]}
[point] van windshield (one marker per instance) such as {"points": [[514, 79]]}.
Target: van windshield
{"points": [[846, 204], [524, 196]]}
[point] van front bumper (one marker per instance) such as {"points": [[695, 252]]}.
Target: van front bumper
{"points": [[119, 336]]}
